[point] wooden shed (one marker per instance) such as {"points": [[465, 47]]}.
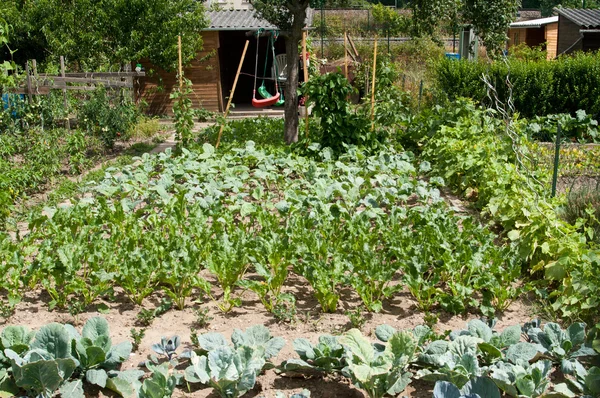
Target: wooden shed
{"points": [[578, 30], [213, 71], [535, 32]]}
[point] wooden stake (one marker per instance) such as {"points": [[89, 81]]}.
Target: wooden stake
{"points": [[373, 86], [346, 55], [66, 102], [232, 92], [180, 65], [305, 64], [28, 82]]}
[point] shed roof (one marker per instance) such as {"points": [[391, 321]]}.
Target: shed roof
{"points": [[586, 18], [534, 23], [243, 20]]}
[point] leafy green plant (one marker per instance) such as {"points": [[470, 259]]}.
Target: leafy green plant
{"points": [[167, 346], [137, 336], [356, 317], [562, 346], [327, 356], [232, 371], [184, 114], [285, 308], [48, 365], [161, 384], [522, 379], [378, 373], [203, 317], [340, 125], [479, 387]]}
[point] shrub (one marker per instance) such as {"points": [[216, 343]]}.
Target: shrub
{"points": [[109, 119], [538, 87]]}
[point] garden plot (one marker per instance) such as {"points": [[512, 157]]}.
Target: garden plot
{"points": [[303, 246]]}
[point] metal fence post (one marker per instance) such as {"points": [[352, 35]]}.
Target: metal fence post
{"points": [[556, 160], [322, 27]]}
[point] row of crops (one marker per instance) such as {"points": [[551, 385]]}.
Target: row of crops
{"points": [[474, 362], [202, 224]]}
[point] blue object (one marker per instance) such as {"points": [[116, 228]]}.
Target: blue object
{"points": [[9, 100], [453, 56]]}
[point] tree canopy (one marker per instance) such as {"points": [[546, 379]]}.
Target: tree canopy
{"points": [[104, 32]]}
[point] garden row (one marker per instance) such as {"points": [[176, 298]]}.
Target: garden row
{"points": [[36, 149], [217, 224], [488, 160], [475, 362]]}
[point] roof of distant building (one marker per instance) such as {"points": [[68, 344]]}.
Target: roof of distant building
{"points": [[243, 20], [586, 18], [534, 23]]}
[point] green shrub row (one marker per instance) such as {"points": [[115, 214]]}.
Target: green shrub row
{"points": [[538, 88]]}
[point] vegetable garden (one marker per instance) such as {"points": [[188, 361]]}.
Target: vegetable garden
{"points": [[395, 250]]}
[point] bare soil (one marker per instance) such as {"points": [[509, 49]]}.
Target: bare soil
{"points": [[399, 312]]}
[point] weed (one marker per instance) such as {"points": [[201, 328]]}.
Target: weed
{"points": [[202, 317], [137, 336], [145, 317], [356, 317], [285, 308]]}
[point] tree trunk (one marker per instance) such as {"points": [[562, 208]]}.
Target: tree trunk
{"points": [[291, 88]]}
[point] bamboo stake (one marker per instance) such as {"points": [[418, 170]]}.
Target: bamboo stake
{"points": [[373, 86], [346, 54], [232, 92], [66, 103], [180, 65], [305, 65]]}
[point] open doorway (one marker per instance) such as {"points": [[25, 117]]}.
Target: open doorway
{"points": [[230, 51]]}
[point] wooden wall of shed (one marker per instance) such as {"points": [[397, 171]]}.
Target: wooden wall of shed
{"points": [[516, 36], [204, 72], [568, 36], [551, 40]]}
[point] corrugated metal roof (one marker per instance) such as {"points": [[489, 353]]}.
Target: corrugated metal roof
{"points": [[534, 23], [583, 17], [242, 20]]}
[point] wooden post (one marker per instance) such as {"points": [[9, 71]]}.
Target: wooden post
{"points": [[180, 65], [346, 55], [373, 86], [66, 102], [305, 65], [232, 92], [28, 82]]}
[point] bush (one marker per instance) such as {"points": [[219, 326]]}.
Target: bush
{"points": [[538, 87], [109, 119]]}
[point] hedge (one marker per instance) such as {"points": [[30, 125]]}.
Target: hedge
{"points": [[539, 88]]}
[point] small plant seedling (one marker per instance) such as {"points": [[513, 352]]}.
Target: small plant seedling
{"points": [[356, 317], [194, 337], [137, 336], [285, 308], [167, 347], [145, 317], [202, 317], [75, 308]]}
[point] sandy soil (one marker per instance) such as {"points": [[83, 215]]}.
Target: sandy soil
{"points": [[399, 312]]}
